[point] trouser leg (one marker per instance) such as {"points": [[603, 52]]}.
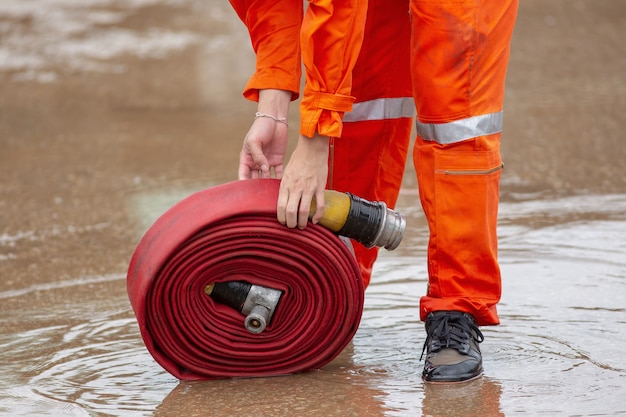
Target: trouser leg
{"points": [[458, 187], [369, 158], [459, 58]]}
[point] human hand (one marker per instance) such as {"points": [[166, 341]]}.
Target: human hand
{"points": [[304, 179], [263, 149], [265, 144]]}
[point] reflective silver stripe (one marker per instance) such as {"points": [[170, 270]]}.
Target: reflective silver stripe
{"points": [[460, 130], [380, 109]]}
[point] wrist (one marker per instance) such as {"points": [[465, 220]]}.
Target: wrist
{"points": [[274, 102], [315, 143], [282, 120]]}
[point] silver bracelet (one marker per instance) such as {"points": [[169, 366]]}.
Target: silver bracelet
{"points": [[274, 118]]}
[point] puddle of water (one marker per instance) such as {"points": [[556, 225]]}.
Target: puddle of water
{"points": [[40, 35], [91, 364], [558, 350]]}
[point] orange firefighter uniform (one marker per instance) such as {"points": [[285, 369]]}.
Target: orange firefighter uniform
{"points": [[372, 67]]}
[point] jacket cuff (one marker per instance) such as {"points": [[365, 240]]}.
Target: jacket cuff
{"points": [[268, 79], [323, 113]]}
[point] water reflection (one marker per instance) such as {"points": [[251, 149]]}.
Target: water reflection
{"points": [[337, 390], [92, 364], [471, 399]]}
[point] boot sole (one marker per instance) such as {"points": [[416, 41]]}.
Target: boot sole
{"points": [[448, 382]]}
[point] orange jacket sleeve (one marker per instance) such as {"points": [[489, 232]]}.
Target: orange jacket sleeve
{"points": [[328, 39], [331, 37], [274, 28]]}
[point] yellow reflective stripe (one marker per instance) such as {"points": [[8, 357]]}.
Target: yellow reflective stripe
{"points": [[460, 130], [380, 109]]}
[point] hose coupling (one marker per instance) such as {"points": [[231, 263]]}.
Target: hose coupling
{"points": [[370, 223], [256, 302], [391, 228]]}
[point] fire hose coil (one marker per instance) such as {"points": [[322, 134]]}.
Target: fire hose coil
{"points": [[230, 233]]}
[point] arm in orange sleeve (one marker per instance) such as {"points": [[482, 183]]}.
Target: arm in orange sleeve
{"points": [[274, 28], [331, 37]]}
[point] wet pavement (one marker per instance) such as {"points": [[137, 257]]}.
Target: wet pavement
{"points": [[111, 111]]}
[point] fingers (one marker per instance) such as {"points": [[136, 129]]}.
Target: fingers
{"points": [[252, 162], [278, 171], [263, 150], [319, 207], [244, 172], [248, 171], [302, 210], [294, 206], [281, 206], [304, 178]]}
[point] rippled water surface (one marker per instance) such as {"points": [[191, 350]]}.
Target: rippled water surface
{"points": [[112, 111], [557, 352]]}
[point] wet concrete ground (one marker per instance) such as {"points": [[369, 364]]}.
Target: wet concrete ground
{"points": [[110, 112]]}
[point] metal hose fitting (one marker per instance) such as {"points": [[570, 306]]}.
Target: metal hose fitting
{"points": [[369, 223], [256, 302]]}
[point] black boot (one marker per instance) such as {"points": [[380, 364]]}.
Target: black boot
{"points": [[452, 351]]}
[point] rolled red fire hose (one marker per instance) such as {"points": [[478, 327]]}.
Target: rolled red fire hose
{"points": [[230, 233]]}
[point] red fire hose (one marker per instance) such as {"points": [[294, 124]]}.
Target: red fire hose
{"points": [[230, 233]]}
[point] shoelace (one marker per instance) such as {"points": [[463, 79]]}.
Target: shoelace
{"points": [[451, 330]]}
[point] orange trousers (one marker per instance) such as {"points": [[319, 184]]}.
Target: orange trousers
{"points": [[450, 60]]}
